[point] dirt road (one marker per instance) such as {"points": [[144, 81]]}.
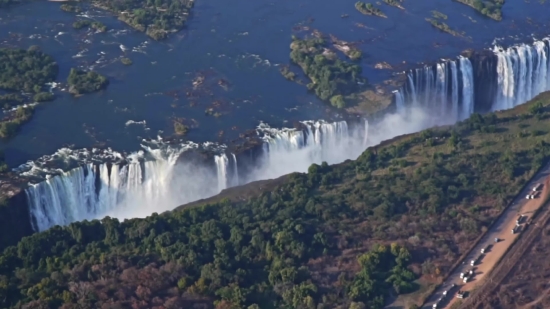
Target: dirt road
{"points": [[501, 230]]}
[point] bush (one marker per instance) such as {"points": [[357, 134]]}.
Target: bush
{"points": [[81, 82], [43, 97], [338, 101]]}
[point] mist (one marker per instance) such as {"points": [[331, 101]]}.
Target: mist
{"points": [[159, 179]]}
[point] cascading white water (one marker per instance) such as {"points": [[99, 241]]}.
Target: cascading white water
{"points": [[221, 167], [439, 90], [399, 101], [290, 150], [467, 87], [154, 179], [522, 73], [236, 180], [454, 90], [150, 181]]}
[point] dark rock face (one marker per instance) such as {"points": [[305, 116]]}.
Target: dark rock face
{"points": [[15, 220], [486, 80]]}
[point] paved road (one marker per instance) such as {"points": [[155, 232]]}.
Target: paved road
{"points": [[502, 230]]}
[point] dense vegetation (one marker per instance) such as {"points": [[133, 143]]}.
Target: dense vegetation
{"points": [[329, 75], [26, 70], [23, 75], [369, 9], [156, 18], [343, 236], [71, 8], [11, 123], [84, 23], [443, 26], [126, 61], [396, 3], [490, 8], [81, 82]]}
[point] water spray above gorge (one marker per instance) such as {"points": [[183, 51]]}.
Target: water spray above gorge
{"points": [[135, 185], [163, 174]]}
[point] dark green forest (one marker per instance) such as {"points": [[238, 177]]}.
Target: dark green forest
{"points": [[81, 82], [26, 70], [341, 236], [331, 78], [157, 18]]}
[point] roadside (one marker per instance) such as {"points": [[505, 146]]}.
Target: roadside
{"points": [[446, 294]]}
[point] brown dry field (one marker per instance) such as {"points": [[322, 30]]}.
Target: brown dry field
{"points": [[502, 230], [527, 286]]}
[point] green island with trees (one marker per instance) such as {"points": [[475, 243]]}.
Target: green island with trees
{"points": [[23, 75], [11, 123], [156, 18], [341, 236], [489, 8], [71, 8], [26, 70], [443, 27], [369, 9], [81, 82], [396, 3], [330, 76], [84, 23]]}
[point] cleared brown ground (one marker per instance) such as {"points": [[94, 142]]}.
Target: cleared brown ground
{"points": [[502, 230]]}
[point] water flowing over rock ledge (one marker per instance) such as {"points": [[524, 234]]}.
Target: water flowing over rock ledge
{"points": [[73, 185], [484, 81]]}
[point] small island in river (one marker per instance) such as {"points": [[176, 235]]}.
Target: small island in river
{"points": [[84, 23], [81, 82], [396, 3], [23, 75], [369, 9], [331, 78], [156, 19], [489, 8]]}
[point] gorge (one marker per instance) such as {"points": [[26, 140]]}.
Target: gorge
{"points": [[93, 184]]}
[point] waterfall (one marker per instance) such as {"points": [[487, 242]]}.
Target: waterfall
{"points": [[235, 171], [454, 90], [522, 73], [432, 88], [93, 184], [446, 89], [366, 134], [399, 101], [221, 166], [156, 178], [147, 181], [467, 87]]}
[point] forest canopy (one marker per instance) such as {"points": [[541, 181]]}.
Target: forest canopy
{"points": [[157, 18], [331, 78], [26, 70], [81, 82]]}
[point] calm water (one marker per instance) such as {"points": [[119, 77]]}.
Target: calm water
{"points": [[241, 42]]}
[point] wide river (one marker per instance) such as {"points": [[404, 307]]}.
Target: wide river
{"points": [[241, 42]]}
